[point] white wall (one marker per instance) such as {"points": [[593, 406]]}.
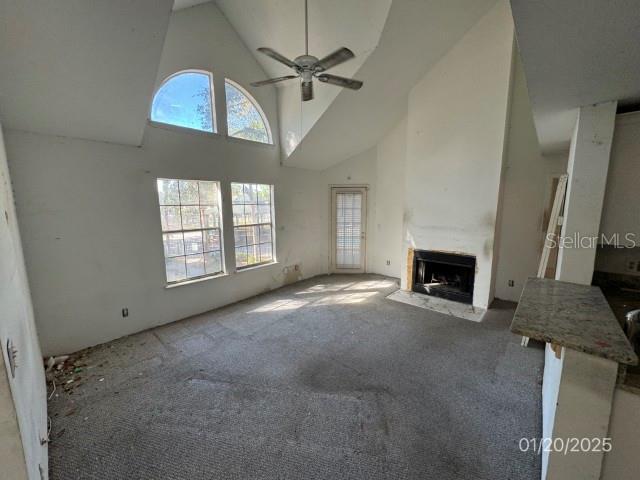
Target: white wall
{"points": [[387, 221], [622, 189], [357, 170], [90, 218], [23, 409], [587, 167], [623, 178], [89, 210], [550, 390], [623, 462], [527, 186], [527, 181], [81, 68], [455, 145], [416, 35], [381, 169], [580, 407]]}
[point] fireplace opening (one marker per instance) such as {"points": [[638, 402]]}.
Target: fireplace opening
{"points": [[445, 275]]}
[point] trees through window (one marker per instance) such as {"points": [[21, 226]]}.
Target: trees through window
{"points": [[185, 99], [245, 118], [192, 234], [252, 223], [191, 228]]}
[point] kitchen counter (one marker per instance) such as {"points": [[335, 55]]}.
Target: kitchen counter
{"points": [[571, 315]]}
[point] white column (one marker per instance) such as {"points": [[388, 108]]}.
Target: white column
{"points": [[583, 409], [578, 388], [588, 166]]}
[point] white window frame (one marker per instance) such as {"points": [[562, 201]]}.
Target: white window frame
{"points": [[272, 225], [257, 106], [182, 230], [214, 122]]}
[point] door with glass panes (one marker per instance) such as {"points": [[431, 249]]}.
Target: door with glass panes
{"points": [[348, 229]]}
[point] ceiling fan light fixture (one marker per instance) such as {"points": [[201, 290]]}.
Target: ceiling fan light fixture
{"points": [[306, 91]]}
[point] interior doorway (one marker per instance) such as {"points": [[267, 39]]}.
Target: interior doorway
{"points": [[348, 229], [550, 271]]}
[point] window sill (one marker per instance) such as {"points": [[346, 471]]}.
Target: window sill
{"points": [[179, 129], [247, 141], [262, 265], [203, 133], [195, 280]]}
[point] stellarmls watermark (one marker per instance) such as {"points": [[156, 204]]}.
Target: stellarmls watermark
{"points": [[565, 445], [577, 240]]}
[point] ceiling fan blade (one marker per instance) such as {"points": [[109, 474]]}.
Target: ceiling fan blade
{"points": [[306, 89], [272, 80], [336, 58], [276, 56], [340, 81]]}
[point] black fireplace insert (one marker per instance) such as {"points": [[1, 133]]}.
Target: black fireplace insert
{"points": [[445, 275]]}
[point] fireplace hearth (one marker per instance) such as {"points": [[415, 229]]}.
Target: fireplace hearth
{"points": [[445, 275]]}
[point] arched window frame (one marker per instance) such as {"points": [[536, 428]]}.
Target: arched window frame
{"points": [[214, 122], [257, 106]]}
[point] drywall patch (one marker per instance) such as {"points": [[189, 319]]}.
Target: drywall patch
{"points": [[292, 273]]}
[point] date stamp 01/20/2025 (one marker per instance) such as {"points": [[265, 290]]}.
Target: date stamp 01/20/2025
{"points": [[565, 446]]}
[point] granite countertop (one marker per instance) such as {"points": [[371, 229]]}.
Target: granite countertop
{"points": [[572, 315]]}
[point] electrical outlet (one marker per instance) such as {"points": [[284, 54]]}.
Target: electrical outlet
{"points": [[631, 266], [388, 262], [511, 283], [125, 312]]}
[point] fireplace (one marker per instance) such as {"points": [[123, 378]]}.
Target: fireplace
{"points": [[445, 275]]}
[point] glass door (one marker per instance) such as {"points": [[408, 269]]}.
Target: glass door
{"points": [[348, 229]]}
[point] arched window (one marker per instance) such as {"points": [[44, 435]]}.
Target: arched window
{"points": [[245, 118], [185, 99]]}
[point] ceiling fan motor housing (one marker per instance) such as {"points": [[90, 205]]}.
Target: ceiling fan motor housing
{"points": [[306, 62]]}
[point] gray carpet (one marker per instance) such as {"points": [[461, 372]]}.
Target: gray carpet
{"points": [[323, 379]]}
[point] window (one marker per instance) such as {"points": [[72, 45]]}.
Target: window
{"points": [[252, 223], [245, 118], [185, 99], [191, 228]]}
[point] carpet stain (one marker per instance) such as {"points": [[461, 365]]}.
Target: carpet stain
{"points": [[303, 382]]}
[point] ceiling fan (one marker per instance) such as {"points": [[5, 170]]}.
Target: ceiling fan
{"points": [[307, 66]]}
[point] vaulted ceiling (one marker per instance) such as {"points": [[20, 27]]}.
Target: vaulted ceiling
{"points": [[182, 4], [86, 68], [416, 35], [575, 53], [396, 42], [279, 24], [80, 68]]}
